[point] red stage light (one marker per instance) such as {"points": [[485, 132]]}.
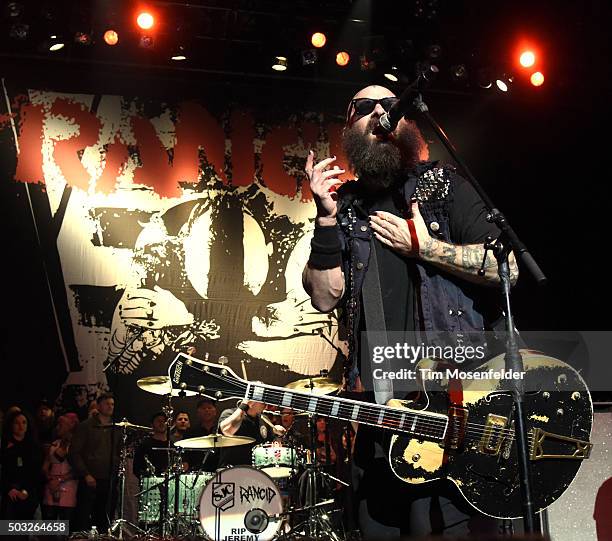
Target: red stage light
{"points": [[111, 37], [145, 20], [318, 39], [527, 59], [537, 78], [342, 58]]}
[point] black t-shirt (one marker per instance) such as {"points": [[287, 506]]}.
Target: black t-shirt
{"points": [[159, 459], [251, 427]]}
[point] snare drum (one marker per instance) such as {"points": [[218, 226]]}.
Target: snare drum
{"points": [[275, 459], [238, 503]]}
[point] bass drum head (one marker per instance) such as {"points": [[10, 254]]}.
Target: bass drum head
{"points": [[239, 497]]}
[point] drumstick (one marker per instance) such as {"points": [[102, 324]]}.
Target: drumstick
{"points": [[271, 425]]}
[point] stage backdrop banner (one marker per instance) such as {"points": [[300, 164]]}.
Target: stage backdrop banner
{"points": [[169, 225]]}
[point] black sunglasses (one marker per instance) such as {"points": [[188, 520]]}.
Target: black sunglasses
{"points": [[364, 106]]}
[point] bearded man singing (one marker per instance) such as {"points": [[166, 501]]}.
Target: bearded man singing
{"points": [[424, 227]]}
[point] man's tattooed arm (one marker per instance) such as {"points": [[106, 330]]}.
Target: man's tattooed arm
{"points": [[465, 261]]}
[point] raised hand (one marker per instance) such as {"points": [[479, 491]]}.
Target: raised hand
{"points": [[322, 179]]}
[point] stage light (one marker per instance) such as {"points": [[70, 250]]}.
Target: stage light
{"points": [[111, 37], [56, 46], [392, 74], [19, 31], [459, 73], [309, 57], [434, 51], [146, 42], [342, 58], [537, 78], [179, 54], [527, 59], [13, 9], [82, 38], [501, 84], [145, 20], [318, 39], [483, 78], [427, 70], [280, 63]]}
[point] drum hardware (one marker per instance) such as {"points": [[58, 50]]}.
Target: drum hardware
{"points": [[317, 523], [120, 524]]}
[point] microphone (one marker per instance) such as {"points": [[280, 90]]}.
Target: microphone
{"points": [[388, 121]]}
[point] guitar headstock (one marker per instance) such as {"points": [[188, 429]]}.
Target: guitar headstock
{"points": [[212, 380]]}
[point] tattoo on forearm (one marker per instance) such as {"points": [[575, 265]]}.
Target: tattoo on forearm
{"points": [[472, 257], [427, 248], [449, 254]]}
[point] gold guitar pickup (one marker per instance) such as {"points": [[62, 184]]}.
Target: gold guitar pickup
{"points": [[493, 435], [579, 449]]}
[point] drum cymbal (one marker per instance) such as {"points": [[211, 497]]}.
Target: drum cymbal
{"points": [[126, 424], [161, 385], [213, 441], [316, 386]]}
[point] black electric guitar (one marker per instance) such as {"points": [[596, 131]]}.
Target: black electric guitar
{"points": [[461, 430]]}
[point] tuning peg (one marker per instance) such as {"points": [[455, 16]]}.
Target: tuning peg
{"points": [[223, 360]]}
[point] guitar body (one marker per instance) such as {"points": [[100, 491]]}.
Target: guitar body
{"points": [[482, 462]]}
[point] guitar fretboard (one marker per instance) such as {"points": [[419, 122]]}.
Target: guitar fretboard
{"points": [[430, 426]]}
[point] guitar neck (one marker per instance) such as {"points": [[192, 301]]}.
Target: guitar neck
{"points": [[430, 426]]}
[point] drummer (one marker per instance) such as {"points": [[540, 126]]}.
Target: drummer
{"points": [[244, 420], [152, 453]]}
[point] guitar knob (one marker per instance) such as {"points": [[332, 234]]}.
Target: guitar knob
{"points": [[416, 457], [560, 412], [219, 394], [223, 360], [546, 395], [201, 389]]}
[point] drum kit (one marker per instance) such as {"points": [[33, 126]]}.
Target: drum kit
{"points": [[281, 495]]}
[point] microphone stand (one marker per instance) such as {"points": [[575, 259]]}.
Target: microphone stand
{"points": [[508, 241]]}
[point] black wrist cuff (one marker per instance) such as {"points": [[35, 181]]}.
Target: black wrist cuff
{"points": [[244, 407], [325, 248]]}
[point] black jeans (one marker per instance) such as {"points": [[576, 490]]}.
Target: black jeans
{"points": [[95, 506]]}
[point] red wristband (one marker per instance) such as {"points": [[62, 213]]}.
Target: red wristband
{"points": [[414, 240]]}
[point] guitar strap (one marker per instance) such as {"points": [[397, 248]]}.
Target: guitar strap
{"points": [[375, 321]]}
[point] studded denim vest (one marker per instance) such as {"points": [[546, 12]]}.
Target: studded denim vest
{"points": [[445, 303]]}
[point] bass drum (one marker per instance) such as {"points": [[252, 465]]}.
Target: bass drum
{"points": [[238, 503]]}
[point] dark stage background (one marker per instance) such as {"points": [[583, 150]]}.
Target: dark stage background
{"points": [[542, 157]]}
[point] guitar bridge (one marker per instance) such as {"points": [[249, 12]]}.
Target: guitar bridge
{"points": [[494, 435], [580, 449]]}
